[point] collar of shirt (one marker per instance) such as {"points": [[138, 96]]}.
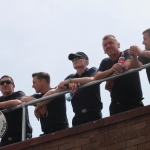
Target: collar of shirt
{"points": [[83, 74]]}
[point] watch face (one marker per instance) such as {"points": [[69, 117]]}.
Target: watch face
{"points": [[3, 124]]}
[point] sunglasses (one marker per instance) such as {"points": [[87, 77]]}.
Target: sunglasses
{"points": [[77, 58], [6, 81]]}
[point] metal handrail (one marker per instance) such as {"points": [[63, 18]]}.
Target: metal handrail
{"points": [[25, 104]]}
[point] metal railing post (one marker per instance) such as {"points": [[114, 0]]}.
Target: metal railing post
{"points": [[23, 121]]}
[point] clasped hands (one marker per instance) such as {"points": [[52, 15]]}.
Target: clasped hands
{"points": [[66, 84], [135, 51], [40, 111]]}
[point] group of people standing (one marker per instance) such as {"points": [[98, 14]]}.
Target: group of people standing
{"points": [[125, 91]]}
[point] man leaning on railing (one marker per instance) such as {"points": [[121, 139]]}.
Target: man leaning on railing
{"points": [[10, 99], [144, 56], [125, 91], [86, 103], [55, 118]]}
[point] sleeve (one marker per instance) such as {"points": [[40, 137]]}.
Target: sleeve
{"points": [[35, 96], [92, 71], [102, 66], [126, 55], [70, 76], [19, 95], [142, 60]]}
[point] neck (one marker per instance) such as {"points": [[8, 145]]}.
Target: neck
{"points": [[45, 89], [115, 56], [7, 94], [80, 71]]}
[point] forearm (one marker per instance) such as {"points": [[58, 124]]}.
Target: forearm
{"points": [[10, 103], [83, 80], [134, 62], [50, 92], [145, 54], [100, 75]]}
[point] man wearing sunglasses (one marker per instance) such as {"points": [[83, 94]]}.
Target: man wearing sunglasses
{"points": [[10, 99], [86, 102]]}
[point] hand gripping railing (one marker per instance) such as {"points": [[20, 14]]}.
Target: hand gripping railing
{"points": [[25, 104]]}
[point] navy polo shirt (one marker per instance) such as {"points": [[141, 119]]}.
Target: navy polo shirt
{"points": [[144, 61], [14, 118], [56, 113], [88, 97], [126, 88]]}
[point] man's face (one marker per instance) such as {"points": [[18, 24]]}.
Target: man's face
{"points": [[79, 62], [146, 41], [111, 46], [37, 84], [6, 86]]}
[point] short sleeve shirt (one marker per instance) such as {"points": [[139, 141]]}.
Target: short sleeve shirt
{"points": [[14, 118], [126, 88], [87, 97], [56, 112], [144, 61]]}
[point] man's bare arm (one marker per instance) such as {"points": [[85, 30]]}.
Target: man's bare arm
{"points": [[10, 103], [50, 92], [103, 74], [27, 99], [135, 51]]}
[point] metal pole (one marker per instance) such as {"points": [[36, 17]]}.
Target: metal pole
{"points": [[23, 121], [24, 104], [83, 86]]}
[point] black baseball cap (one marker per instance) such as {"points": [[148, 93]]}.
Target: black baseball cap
{"points": [[72, 56]]}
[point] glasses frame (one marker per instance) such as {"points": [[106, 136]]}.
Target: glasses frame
{"points": [[6, 81], [77, 58]]}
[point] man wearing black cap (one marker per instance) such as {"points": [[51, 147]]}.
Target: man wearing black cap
{"points": [[86, 103]]}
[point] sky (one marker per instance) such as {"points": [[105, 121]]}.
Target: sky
{"points": [[39, 35]]}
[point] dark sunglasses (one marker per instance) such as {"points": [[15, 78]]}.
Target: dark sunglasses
{"points": [[77, 58], [6, 81]]}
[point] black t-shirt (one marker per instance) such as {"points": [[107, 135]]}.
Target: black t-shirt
{"points": [[144, 61], [87, 97], [126, 88], [14, 118], [56, 113]]}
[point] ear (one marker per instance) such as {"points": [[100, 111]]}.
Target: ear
{"points": [[43, 81], [87, 62], [13, 85], [118, 45]]}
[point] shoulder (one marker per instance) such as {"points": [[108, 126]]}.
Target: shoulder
{"points": [[19, 93], [1, 98], [51, 91], [70, 76], [36, 96], [126, 54], [92, 70], [105, 61]]}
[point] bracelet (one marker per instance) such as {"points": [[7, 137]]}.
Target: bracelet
{"points": [[69, 80]]}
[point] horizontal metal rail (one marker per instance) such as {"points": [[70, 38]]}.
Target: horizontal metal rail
{"points": [[67, 91], [83, 86]]}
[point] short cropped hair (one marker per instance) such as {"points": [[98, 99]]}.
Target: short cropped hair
{"points": [[109, 36], [42, 75], [147, 31], [7, 76]]}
